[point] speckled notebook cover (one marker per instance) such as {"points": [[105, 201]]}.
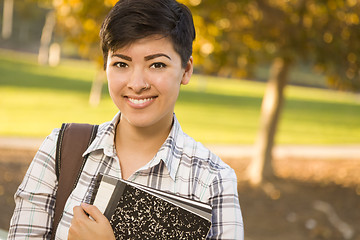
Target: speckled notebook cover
{"points": [[137, 212]]}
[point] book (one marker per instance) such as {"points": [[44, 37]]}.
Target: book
{"points": [[139, 212]]}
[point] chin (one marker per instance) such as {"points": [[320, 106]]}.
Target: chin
{"points": [[140, 121], [146, 121]]}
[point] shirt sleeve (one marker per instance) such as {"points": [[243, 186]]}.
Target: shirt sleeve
{"points": [[35, 197], [227, 222]]}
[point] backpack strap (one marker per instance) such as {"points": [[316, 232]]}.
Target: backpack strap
{"points": [[73, 140]]}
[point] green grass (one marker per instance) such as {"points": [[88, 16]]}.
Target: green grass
{"points": [[35, 99]]}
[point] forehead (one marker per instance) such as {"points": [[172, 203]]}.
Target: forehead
{"points": [[148, 44]]}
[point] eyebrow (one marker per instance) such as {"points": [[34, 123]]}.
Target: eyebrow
{"points": [[150, 57], [127, 58], [147, 58]]}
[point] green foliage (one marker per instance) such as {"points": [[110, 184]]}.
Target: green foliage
{"points": [[80, 21], [236, 35], [35, 99]]}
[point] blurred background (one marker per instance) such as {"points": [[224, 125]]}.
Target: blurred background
{"points": [[275, 94]]}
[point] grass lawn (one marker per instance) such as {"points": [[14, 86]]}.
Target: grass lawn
{"points": [[35, 99]]}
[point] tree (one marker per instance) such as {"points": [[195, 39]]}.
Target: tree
{"points": [[7, 23], [77, 22], [46, 38], [237, 35]]}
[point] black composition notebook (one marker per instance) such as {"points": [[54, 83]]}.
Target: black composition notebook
{"points": [[139, 212]]}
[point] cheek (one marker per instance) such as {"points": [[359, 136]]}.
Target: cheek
{"points": [[114, 83], [171, 89], [167, 86], [169, 82]]}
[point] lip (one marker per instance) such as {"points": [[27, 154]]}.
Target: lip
{"points": [[140, 102]]}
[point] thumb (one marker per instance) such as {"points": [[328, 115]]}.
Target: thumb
{"points": [[93, 211]]}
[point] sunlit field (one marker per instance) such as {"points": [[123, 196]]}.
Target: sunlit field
{"points": [[35, 99]]}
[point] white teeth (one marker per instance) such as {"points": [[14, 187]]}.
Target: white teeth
{"points": [[139, 101]]}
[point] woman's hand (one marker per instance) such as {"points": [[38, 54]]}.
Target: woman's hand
{"points": [[83, 227]]}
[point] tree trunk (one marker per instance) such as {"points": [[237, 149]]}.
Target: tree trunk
{"points": [[261, 167], [54, 54], [96, 88], [46, 37], [8, 11]]}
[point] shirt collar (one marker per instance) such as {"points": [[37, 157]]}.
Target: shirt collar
{"points": [[170, 152], [105, 138]]}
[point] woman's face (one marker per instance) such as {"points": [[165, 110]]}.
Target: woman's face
{"points": [[144, 81]]}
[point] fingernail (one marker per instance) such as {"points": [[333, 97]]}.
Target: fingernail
{"points": [[84, 204]]}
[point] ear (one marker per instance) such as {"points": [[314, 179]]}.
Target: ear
{"points": [[188, 71]]}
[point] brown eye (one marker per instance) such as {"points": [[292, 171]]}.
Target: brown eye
{"points": [[158, 65], [120, 65]]}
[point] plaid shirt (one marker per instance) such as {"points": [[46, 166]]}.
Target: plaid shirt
{"points": [[182, 166]]}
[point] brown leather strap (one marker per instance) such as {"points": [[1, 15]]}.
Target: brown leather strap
{"points": [[73, 140]]}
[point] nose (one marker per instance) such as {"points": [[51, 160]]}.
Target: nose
{"points": [[137, 81]]}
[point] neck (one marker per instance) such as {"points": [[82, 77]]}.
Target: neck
{"points": [[148, 139], [136, 146]]}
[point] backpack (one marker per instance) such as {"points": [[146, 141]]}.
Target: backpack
{"points": [[72, 142]]}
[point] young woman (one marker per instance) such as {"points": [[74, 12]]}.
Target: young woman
{"points": [[147, 47]]}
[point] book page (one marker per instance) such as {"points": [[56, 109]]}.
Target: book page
{"points": [[105, 191], [200, 208]]}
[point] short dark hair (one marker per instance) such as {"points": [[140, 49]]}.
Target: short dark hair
{"points": [[130, 20]]}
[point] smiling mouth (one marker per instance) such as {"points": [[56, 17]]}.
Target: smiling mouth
{"points": [[140, 101]]}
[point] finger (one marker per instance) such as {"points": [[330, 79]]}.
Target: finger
{"points": [[79, 212], [93, 211], [77, 222]]}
